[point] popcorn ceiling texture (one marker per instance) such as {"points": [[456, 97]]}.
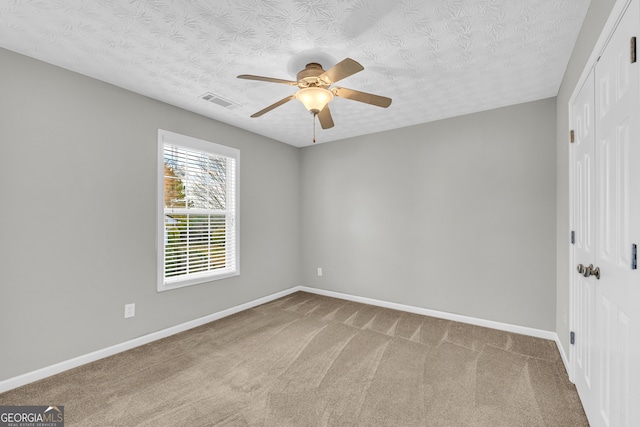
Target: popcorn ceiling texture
{"points": [[436, 59]]}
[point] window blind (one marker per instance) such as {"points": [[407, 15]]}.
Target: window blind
{"points": [[199, 214]]}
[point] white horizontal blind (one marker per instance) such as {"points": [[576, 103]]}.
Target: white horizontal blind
{"points": [[199, 215]]}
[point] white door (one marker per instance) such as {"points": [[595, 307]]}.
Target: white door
{"points": [[583, 290], [618, 226]]}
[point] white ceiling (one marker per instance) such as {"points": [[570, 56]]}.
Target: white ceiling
{"points": [[435, 58]]}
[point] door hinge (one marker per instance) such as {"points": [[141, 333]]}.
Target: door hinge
{"points": [[572, 136], [572, 337], [634, 256], [573, 237], [633, 49]]}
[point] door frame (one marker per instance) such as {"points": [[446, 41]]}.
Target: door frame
{"points": [[607, 31]]}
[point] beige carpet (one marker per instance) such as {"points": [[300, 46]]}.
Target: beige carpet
{"points": [[308, 360]]}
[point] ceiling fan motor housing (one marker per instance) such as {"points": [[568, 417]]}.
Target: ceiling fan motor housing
{"points": [[310, 76]]}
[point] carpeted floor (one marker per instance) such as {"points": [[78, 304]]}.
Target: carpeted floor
{"points": [[308, 360]]}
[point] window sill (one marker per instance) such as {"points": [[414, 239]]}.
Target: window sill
{"points": [[196, 279]]}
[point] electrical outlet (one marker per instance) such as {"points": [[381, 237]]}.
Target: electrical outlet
{"points": [[129, 310], [319, 271]]}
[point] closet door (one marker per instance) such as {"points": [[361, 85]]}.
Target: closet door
{"points": [[617, 149], [583, 290]]}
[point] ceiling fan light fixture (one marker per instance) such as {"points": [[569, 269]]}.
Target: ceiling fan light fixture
{"points": [[314, 99]]}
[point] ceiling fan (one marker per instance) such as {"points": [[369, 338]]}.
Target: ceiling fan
{"points": [[314, 82]]}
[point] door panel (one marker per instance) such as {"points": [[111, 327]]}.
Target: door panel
{"points": [[604, 404], [583, 289], [618, 197], [585, 330], [624, 371], [606, 188]]}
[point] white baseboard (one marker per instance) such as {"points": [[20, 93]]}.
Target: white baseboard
{"points": [[48, 371], [565, 359], [538, 333]]}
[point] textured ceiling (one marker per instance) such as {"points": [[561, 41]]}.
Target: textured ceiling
{"points": [[435, 58]]}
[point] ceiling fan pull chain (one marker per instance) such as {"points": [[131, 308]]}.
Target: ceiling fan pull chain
{"points": [[314, 128]]}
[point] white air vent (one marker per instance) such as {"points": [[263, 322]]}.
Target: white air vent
{"points": [[218, 100]]}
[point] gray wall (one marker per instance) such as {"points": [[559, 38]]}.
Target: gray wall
{"points": [[597, 15], [77, 224], [456, 215]]}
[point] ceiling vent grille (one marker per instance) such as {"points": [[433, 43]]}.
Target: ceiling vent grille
{"points": [[218, 100]]}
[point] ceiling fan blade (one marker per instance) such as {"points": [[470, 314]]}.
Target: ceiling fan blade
{"points": [[367, 98], [342, 69], [326, 121], [275, 105], [267, 79]]}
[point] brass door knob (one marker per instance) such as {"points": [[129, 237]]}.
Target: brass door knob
{"points": [[580, 268], [596, 272]]}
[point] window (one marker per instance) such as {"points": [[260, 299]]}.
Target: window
{"points": [[197, 211]]}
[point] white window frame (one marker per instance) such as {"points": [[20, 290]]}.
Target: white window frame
{"points": [[232, 218]]}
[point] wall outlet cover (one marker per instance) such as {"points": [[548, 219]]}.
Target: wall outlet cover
{"points": [[129, 310]]}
